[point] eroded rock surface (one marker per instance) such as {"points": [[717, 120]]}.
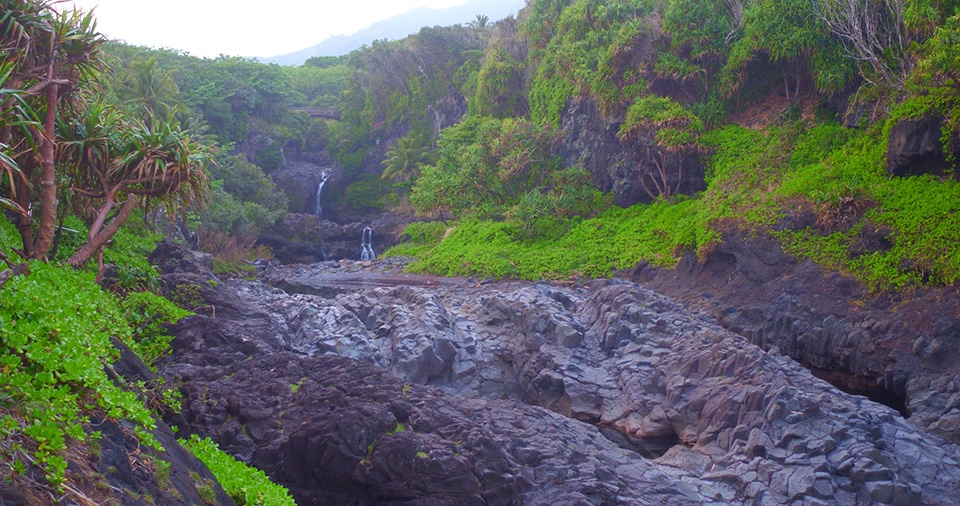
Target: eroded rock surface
{"points": [[461, 393], [903, 351]]}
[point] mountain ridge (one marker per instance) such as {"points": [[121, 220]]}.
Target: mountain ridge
{"points": [[400, 26]]}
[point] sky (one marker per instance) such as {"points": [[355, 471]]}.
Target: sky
{"points": [[208, 28]]}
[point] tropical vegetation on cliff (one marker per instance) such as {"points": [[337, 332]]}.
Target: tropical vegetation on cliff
{"points": [[515, 141]]}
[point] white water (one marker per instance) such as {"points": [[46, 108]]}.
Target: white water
{"points": [[323, 179], [366, 245]]}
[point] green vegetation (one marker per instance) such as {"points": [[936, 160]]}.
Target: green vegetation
{"points": [[56, 327], [246, 485], [493, 168], [148, 314], [836, 174], [669, 74]]}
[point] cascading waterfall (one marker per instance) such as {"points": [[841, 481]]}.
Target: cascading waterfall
{"points": [[366, 245], [323, 179]]}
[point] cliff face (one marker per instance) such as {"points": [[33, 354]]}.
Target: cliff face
{"points": [[633, 169]]}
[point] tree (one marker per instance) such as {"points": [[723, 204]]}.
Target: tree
{"points": [[873, 33], [480, 22], [152, 90], [500, 86], [114, 161], [48, 56], [405, 158], [676, 134]]}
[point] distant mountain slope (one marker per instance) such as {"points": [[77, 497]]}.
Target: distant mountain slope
{"points": [[402, 25]]}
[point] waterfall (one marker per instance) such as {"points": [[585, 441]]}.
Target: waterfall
{"points": [[366, 245], [323, 179]]}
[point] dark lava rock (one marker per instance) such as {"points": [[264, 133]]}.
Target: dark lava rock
{"points": [[915, 147], [302, 238], [520, 380], [900, 351], [626, 167]]}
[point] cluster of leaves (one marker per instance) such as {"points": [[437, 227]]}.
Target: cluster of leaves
{"points": [[365, 194], [421, 237], [148, 315], [57, 328], [244, 484], [244, 199], [596, 49], [496, 168]]}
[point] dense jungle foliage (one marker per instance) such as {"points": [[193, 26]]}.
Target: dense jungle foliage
{"points": [[788, 104]]}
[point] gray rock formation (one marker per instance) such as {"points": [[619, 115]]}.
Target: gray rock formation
{"points": [[536, 394], [624, 167], [902, 351], [915, 147]]}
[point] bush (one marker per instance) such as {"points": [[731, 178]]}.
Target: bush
{"points": [[365, 194], [246, 182], [246, 485], [148, 315]]}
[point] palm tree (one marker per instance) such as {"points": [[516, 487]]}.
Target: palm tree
{"points": [[480, 22], [405, 158], [151, 90]]}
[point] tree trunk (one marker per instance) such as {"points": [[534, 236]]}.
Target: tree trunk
{"points": [[48, 180], [100, 238]]}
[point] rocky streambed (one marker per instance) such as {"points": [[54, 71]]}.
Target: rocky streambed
{"points": [[358, 386]]}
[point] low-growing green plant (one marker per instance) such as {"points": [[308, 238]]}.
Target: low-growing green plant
{"points": [[246, 485], [754, 180], [148, 315], [56, 327]]}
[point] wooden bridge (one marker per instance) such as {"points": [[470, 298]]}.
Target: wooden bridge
{"points": [[320, 112]]}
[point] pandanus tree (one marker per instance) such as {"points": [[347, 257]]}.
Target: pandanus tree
{"points": [[53, 141], [46, 56], [116, 162]]}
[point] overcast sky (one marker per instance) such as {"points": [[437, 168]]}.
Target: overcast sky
{"points": [[208, 28]]}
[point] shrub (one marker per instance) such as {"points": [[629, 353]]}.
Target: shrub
{"points": [[365, 194], [246, 485], [148, 315]]}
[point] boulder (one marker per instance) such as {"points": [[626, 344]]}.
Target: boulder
{"points": [[625, 167], [916, 147]]}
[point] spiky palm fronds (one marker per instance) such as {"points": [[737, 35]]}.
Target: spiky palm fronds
{"points": [[406, 157]]}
